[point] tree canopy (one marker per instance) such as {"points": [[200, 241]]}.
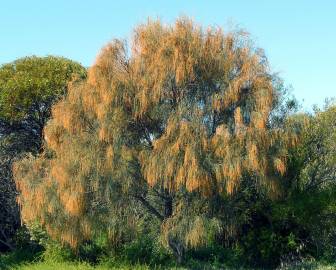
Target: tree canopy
{"points": [[316, 151], [28, 88], [161, 135]]}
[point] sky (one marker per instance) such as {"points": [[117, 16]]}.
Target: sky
{"points": [[299, 37]]}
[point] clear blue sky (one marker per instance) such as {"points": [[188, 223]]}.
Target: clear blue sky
{"points": [[299, 36]]}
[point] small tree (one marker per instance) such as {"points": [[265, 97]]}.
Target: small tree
{"points": [[164, 135]]}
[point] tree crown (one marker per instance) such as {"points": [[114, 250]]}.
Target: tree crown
{"points": [[186, 113]]}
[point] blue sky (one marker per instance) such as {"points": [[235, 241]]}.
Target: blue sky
{"points": [[299, 37]]}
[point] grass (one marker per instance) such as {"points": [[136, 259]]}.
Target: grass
{"points": [[86, 266], [310, 266], [23, 260], [74, 266]]}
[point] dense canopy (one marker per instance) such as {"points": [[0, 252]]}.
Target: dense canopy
{"points": [[162, 132], [28, 88]]}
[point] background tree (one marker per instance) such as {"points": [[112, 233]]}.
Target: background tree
{"points": [[311, 198], [316, 151], [301, 222], [28, 88], [161, 139]]}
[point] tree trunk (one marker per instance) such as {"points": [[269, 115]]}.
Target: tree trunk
{"points": [[177, 248], [168, 207], [175, 245]]}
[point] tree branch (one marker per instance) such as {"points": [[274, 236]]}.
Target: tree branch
{"points": [[6, 241], [7, 245], [150, 207]]}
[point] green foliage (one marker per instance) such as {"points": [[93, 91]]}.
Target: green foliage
{"points": [[18, 257], [311, 183], [80, 266], [146, 250], [56, 252], [316, 152], [266, 246], [28, 86]]}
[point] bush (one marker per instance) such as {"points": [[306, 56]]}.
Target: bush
{"points": [[147, 250], [55, 252]]}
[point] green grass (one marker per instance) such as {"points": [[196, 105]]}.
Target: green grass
{"points": [[82, 266], [310, 266], [85, 266], [74, 266], [26, 260]]}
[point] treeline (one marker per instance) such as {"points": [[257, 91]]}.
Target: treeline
{"points": [[182, 147]]}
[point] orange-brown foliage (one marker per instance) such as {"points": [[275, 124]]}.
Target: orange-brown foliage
{"points": [[188, 107]]}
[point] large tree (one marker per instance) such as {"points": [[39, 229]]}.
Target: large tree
{"points": [[28, 88], [161, 135]]}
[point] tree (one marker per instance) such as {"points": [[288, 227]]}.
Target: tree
{"points": [[28, 88], [163, 137], [316, 151], [310, 201]]}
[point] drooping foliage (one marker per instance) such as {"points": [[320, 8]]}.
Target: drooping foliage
{"points": [[160, 134]]}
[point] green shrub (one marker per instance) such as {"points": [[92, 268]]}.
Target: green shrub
{"points": [[146, 250], [55, 252]]}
